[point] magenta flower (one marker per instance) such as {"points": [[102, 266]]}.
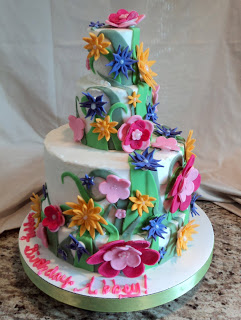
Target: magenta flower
{"points": [[135, 134], [77, 125], [87, 64], [54, 218], [120, 213], [187, 182], [115, 188], [166, 144], [124, 19], [129, 257], [42, 234], [155, 95]]}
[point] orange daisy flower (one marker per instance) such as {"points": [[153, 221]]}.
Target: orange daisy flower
{"points": [[145, 66], [184, 235], [96, 45], [141, 202], [104, 127], [85, 215], [189, 146], [36, 206], [133, 99]]}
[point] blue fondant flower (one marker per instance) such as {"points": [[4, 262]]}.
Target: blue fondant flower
{"points": [[145, 160], [162, 253], [45, 191], [156, 228], [192, 205], [97, 24], [75, 245], [122, 62], [94, 105], [151, 112], [167, 132], [62, 253], [87, 181]]}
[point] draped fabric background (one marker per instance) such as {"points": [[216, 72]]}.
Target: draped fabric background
{"points": [[197, 46]]}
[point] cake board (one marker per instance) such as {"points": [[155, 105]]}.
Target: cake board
{"points": [[93, 292]]}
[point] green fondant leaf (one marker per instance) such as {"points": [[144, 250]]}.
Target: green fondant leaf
{"points": [[135, 41], [126, 235], [76, 106], [83, 99], [92, 140], [115, 38], [113, 232], [53, 241], [78, 183], [141, 109], [91, 60]]}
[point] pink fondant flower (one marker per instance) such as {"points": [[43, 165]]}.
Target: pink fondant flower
{"points": [[54, 218], [166, 144], [187, 182], [120, 213], [115, 188], [87, 64], [129, 257], [77, 125], [42, 234], [124, 18], [135, 133], [155, 95]]}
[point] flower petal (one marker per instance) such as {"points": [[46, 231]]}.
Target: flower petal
{"points": [[150, 256], [107, 271], [134, 272]]}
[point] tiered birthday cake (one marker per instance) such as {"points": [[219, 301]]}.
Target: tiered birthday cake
{"points": [[120, 186]]}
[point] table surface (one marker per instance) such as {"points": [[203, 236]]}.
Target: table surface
{"points": [[217, 296]]}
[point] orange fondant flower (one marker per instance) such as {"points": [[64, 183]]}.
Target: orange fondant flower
{"points": [[96, 45], [189, 146], [141, 202], [145, 66], [184, 235], [85, 215], [104, 127], [36, 206], [133, 99]]}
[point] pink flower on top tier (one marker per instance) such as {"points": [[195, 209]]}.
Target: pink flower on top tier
{"points": [[166, 144], [42, 234], [115, 188], [187, 182], [124, 18], [155, 95], [129, 257], [77, 125], [135, 134], [54, 218]]}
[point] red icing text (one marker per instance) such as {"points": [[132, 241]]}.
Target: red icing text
{"points": [[30, 230]]}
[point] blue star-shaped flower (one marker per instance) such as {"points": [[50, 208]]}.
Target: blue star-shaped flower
{"points": [[156, 227], [87, 181], [97, 24], [122, 62], [162, 253], [75, 245], [45, 191], [62, 253], [145, 160], [94, 105], [192, 205], [167, 132], [151, 113]]}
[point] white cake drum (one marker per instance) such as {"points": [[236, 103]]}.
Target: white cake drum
{"points": [[91, 291]]}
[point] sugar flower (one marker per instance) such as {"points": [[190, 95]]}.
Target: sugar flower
{"points": [[155, 94], [96, 45], [62, 254], [45, 190], [133, 99], [167, 132], [141, 203], [42, 235], [85, 215], [77, 125], [145, 161], [192, 205], [54, 218], [115, 188], [189, 146], [186, 183], [120, 213], [96, 25], [144, 66], [151, 112], [77, 246], [36, 207], [135, 133], [104, 127], [122, 62], [166, 144], [95, 106], [184, 235], [156, 228], [162, 253], [129, 257], [124, 18], [87, 181]]}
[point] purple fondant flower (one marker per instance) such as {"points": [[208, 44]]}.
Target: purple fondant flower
{"points": [[166, 144], [95, 106], [87, 181], [151, 112], [77, 246], [145, 161], [115, 188], [167, 132], [97, 24], [124, 18], [192, 205], [156, 228], [77, 125]]}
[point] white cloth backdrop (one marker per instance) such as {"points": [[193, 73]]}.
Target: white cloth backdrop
{"points": [[197, 46]]}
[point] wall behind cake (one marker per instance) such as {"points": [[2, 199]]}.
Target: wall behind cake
{"points": [[196, 45]]}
